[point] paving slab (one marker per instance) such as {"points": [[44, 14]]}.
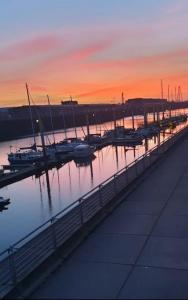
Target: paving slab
{"points": [[84, 280], [143, 207], [152, 190], [172, 226], [123, 222], [154, 283], [178, 207], [112, 248], [165, 252]]}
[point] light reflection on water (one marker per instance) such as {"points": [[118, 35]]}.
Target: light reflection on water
{"points": [[35, 199]]}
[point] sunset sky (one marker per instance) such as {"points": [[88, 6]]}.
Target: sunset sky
{"points": [[92, 49]]}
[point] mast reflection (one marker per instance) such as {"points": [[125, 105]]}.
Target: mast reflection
{"points": [[48, 190], [70, 180], [83, 162], [117, 157], [146, 145]]}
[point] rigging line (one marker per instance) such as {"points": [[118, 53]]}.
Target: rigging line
{"points": [[39, 115], [53, 175]]}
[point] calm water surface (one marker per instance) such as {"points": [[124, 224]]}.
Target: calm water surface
{"points": [[33, 201]]}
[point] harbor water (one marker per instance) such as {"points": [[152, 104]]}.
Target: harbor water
{"points": [[36, 199]]}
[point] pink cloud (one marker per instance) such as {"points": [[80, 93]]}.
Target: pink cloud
{"points": [[27, 48], [157, 59], [92, 49], [76, 56], [176, 7]]}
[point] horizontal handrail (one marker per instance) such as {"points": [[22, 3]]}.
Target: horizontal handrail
{"points": [[85, 196]]}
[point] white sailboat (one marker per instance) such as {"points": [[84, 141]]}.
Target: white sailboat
{"points": [[27, 155]]}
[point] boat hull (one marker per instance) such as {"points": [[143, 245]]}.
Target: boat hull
{"points": [[4, 202]]}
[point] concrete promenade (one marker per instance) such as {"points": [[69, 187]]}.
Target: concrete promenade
{"points": [[141, 249]]}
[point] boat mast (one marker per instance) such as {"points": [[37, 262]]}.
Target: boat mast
{"points": [[74, 119], [162, 94], [64, 124], [30, 112], [51, 119], [123, 102], [87, 123], [133, 123], [114, 117], [39, 121]]}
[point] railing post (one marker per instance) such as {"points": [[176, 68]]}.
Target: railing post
{"points": [[100, 196], [136, 169], [81, 211], [52, 221], [127, 177], [12, 266], [143, 162], [115, 185], [150, 159]]}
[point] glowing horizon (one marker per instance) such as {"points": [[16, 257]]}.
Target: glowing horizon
{"points": [[92, 51]]}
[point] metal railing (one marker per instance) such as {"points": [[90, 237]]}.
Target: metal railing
{"points": [[23, 257]]}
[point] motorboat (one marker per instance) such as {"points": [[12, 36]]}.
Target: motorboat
{"points": [[96, 139], [56, 150], [25, 157], [66, 146], [93, 138], [148, 131], [118, 132], [4, 202], [129, 139], [83, 151]]}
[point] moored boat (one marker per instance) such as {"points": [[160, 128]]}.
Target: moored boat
{"points": [[25, 157], [93, 139], [4, 202], [148, 132], [130, 139], [83, 151], [67, 145]]}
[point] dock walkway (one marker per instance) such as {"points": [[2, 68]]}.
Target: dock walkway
{"points": [[141, 249]]}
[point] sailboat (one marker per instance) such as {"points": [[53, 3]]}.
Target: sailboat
{"points": [[67, 145], [27, 155]]}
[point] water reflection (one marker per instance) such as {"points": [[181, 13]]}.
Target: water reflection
{"points": [[49, 191], [35, 199]]}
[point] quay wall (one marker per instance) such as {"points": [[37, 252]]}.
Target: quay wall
{"points": [[15, 122]]}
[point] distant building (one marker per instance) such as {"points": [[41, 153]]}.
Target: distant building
{"points": [[69, 102], [146, 101]]}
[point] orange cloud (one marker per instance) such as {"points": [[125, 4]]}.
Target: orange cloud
{"points": [[87, 70]]}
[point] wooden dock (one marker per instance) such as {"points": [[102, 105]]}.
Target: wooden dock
{"points": [[27, 171]]}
